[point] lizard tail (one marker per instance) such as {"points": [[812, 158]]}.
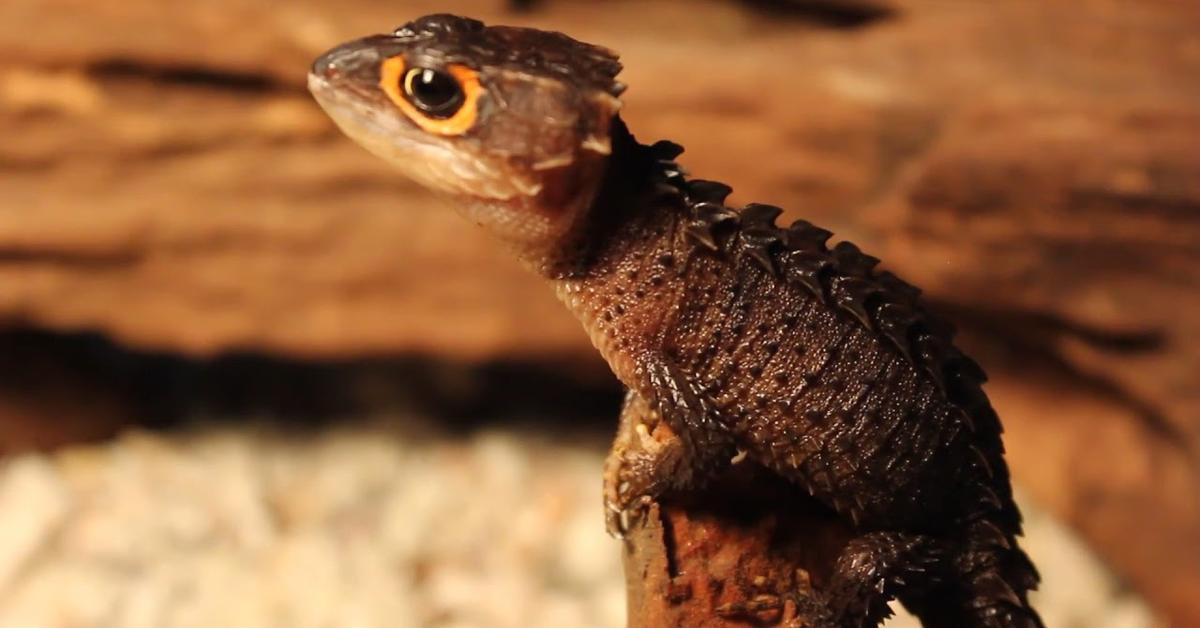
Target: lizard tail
{"points": [[991, 587]]}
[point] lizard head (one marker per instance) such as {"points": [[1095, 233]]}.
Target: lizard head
{"points": [[512, 123]]}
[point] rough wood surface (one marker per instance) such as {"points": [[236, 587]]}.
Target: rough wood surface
{"points": [[165, 180], [743, 552]]}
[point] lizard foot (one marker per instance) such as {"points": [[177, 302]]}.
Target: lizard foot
{"points": [[633, 477]]}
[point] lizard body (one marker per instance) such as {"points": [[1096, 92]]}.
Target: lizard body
{"points": [[742, 337]]}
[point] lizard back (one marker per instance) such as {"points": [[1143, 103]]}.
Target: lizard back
{"points": [[825, 369]]}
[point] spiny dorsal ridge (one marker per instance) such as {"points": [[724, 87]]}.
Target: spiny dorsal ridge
{"points": [[842, 276]]}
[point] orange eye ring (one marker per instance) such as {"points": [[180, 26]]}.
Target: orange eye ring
{"points": [[396, 82]]}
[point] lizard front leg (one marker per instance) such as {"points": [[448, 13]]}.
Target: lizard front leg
{"points": [[639, 466], [664, 445]]}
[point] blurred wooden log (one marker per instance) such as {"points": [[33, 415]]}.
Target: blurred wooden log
{"points": [[165, 180], [1065, 240]]}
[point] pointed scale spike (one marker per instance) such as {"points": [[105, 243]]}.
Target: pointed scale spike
{"points": [[964, 367], [714, 214], [701, 234], [806, 268], [930, 353], [666, 190], [894, 321], [760, 252], [938, 326], [702, 229], [852, 261], [760, 214], [988, 498], [990, 585], [1026, 574], [982, 413], [967, 421], [980, 461], [763, 259], [759, 235], [803, 236], [704, 191], [851, 294], [989, 533], [901, 290], [759, 240], [666, 149]]}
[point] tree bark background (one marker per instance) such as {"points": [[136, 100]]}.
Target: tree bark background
{"points": [[166, 181]]}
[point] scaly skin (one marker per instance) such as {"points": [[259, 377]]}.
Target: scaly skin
{"points": [[735, 337]]}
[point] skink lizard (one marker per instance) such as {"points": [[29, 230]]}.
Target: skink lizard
{"points": [[746, 339]]}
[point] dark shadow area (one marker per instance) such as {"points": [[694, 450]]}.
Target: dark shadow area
{"points": [[189, 75], [91, 379], [842, 14]]}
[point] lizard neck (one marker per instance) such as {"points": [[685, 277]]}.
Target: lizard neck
{"points": [[611, 220], [618, 272]]}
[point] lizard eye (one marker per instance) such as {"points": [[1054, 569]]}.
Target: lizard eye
{"points": [[433, 92], [441, 101]]}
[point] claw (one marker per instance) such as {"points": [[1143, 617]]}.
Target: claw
{"points": [[648, 443], [619, 519], [612, 524]]}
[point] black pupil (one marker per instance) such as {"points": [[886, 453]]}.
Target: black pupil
{"points": [[434, 92]]}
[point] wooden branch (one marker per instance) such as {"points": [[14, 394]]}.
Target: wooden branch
{"points": [[749, 550]]}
